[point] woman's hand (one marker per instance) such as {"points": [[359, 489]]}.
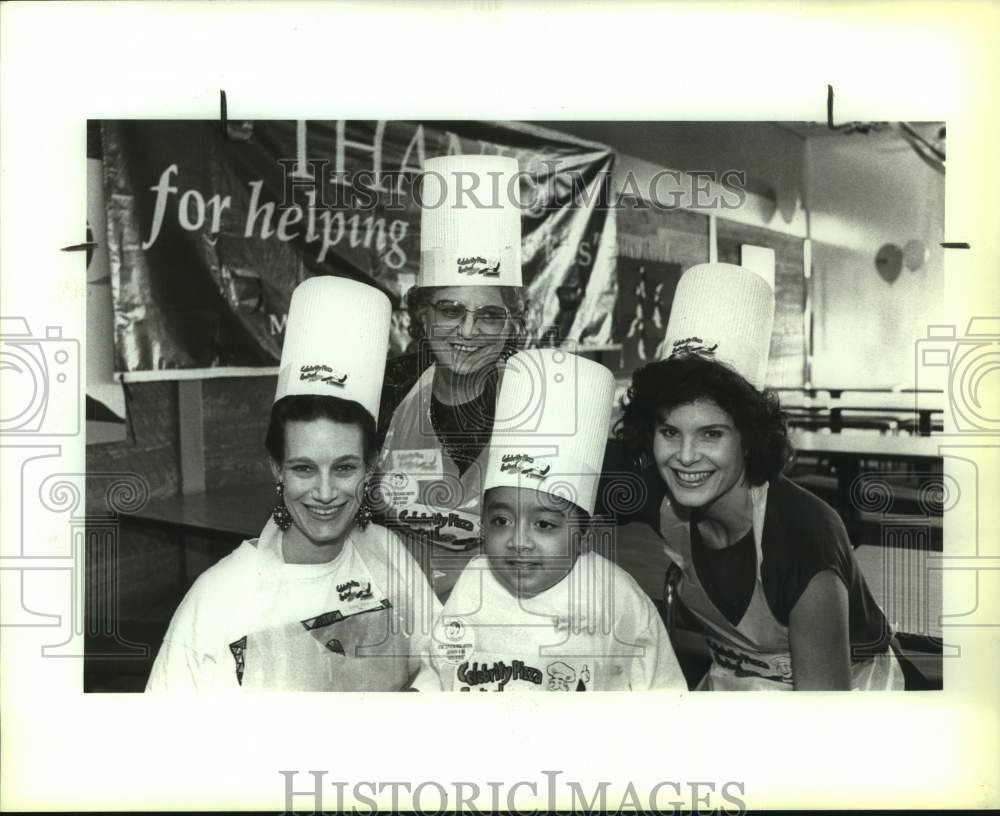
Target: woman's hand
{"points": [[819, 636]]}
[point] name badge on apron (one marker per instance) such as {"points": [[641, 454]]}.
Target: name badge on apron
{"points": [[408, 468]]}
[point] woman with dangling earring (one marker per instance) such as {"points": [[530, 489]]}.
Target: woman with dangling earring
{"points": [[323, 600], [466, 314]]}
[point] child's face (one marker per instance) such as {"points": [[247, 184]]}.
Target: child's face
{"points": [[528, 537]]}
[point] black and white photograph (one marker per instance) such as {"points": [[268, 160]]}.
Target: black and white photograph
{"points": [[482, 318], [348, 391]]}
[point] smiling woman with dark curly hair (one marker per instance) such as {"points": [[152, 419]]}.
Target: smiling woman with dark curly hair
{"points": [[663, 386], [767, 569]]}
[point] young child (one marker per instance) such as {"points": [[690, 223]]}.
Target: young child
{"points": [[541, 609]]}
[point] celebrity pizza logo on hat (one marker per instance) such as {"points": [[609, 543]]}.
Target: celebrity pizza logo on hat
{"points": [[524, 464], [475, 265], [693, 345], [321, 373]]}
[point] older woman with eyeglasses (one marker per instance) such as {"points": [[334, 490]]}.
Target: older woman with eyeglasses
{"points": [[466, 315]]}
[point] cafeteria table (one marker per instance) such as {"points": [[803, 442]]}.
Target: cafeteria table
{"points": [[846, 451], [844, 407]]}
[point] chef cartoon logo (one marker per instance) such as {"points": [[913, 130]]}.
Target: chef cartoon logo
{"points": [[563, 677]]}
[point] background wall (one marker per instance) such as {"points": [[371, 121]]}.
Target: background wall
{"points": [[770, 154], [786, 365], [850, 193], [863, 191]]}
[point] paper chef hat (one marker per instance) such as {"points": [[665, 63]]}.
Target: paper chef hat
{"points": [[336, 341], [470, 222], [725, 312], [552, 418]]}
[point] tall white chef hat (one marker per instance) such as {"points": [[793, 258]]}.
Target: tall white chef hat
{"points": [[470, 222], [336, 341], [552, 418], [725, 312]]}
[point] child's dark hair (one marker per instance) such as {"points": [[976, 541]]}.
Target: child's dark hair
{"points": [[660, 387], [310, 407]]}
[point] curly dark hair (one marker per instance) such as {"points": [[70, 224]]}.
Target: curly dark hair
{"points": [[418, 298], [664, 385], [309, 407]]}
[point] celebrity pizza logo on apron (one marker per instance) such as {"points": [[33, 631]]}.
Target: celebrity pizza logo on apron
{"points": [[777, 668], [561, 676], [426, 496], [500, 673], [435, 521]]}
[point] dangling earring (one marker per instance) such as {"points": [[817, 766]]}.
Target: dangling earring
{"points": [[280, 512], [365, 513], [366, 508]]}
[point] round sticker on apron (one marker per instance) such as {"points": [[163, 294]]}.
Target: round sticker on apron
{"points": [[454, 641]]}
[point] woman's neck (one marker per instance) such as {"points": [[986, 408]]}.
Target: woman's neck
{"points": [[456, 389], [296, 548], [727, 519]]}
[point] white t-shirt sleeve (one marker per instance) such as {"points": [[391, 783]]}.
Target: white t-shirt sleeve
{"points": [[179, 665], [193, 656], [658, 667], [179, 668], [422, 606], [428, 677]]}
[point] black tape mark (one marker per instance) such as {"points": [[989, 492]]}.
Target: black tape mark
{"points": [[223, 114], [955, 245], [80, 247], [829, 107]]}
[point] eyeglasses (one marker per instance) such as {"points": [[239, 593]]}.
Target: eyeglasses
{"points": [[451, 313]]}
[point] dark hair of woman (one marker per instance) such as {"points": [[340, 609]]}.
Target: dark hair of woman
{"points": [[310, 407], [420, 298], [660, 387]]}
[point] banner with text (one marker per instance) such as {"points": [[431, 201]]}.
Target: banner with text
{"points": [[210, 227]]}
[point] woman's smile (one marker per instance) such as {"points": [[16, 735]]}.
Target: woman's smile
{"points": [[688, 479], [325, 512]]}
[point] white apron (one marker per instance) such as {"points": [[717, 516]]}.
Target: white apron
{"points": [[753, 655], [594, 630], [361, 622], [419, 481]]}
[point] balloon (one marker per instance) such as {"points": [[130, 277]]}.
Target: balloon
{"points": [[915, 254], [889, 263]]}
